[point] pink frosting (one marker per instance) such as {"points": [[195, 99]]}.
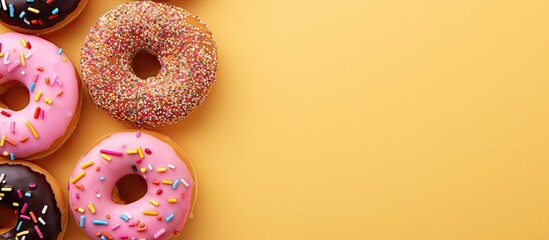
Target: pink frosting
{"points": [[95, 188], [42, 60]]}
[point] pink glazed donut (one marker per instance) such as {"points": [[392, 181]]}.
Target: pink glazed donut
{"points": [[170, 182], [54, 96]]}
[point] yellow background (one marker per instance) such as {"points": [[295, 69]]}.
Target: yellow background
{"points": [[360, 119]]}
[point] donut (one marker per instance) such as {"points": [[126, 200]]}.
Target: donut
{"points": [[94, 194], [36, 200], [183, 45], [39, 16], [54, 96]]}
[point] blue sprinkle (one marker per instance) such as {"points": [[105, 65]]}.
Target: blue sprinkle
{"points": [[103, 237], [12, 157], [60, 51], [100, 222], [19, 225], [30, 1], [169, 218], [102, 179], [22, 14], [54, 11], [31, 87], [12, 10], [124, 217], [28, 194], [175, 183], [82, 221]]}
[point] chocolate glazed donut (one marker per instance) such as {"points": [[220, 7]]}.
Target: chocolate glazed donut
{"points": [[26, 189], [38, 16]]}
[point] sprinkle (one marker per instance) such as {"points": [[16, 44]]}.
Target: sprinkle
{"points": [[38, 95], [33, 217], [44, 209], [100, 222], [38, 231], [123, 236], [59, 93], [142, 229], [24, 139], [140, 152], [134, 168], [60, 49], [161, 170], [80, 175], [12, 10], [92, 208], [175, 183], [29, 54], [40, 69], [106, 234], [143, 170], [34, 133], [159, 191], [131, 151], [159, 233], [22, 233], [87, 164], [105, 151], [23, 42], [12, 157], [124, 217], [22, 14], [4, 5], [153, 202], [6, 57], [115, 226], [34, 10], [80, 210], [169, 218], [185, 182], [19, 225], [32, 86], [2, 176], [82, 221], [12, 126], [2, 140], [12, 67], [77, 195], [37, 113], [41, 221], [32, 185], [172, 200], [6, 189], [150, 167], [64, 59], [167, 182], [171, 166], [22, 58], [102, 179], [106, 157], [28, 195], [148, 151], [155, 182], [150, 213], [15, 204], [25, 217]]}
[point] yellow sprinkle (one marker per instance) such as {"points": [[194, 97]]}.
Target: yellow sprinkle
{"points": [[143, 170], [15, 204], [48, 101], [150, 213], [38, 96], [172, 200], [153, 202], [80, 175], [3, 140], [5, 189], [162, 169], [92, 208], [80, 210], [168, 182], [86, 165], [140, 152], [64, 59], [106, 157], [131, 151], [1, 54], [1, 194], [34, 10], [19, 234], [34, 133], [23, 42], [22, 57]]}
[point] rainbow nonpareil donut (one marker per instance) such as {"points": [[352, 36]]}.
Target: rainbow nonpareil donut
{"points": [[39, 16], [36, 199], [160, 214], [54, 96], [185, 49]]}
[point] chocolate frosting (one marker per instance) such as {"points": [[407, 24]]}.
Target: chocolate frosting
{"points": [[36, 15], [19, 177]]}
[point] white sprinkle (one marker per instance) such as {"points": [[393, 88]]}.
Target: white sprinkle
{"points": [[171, 166], [4, 5], [6, 57], [2, 176], [44, 209], [150, 167], [41, 221], [23, 73], [98, 195], [130, 216], [26, 21], [28, 55], [24, 236], [185, 182]]}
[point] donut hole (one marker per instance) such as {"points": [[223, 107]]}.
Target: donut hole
{"points": [[129, 189], [8, 219], [14, 95], [145, 65]]}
